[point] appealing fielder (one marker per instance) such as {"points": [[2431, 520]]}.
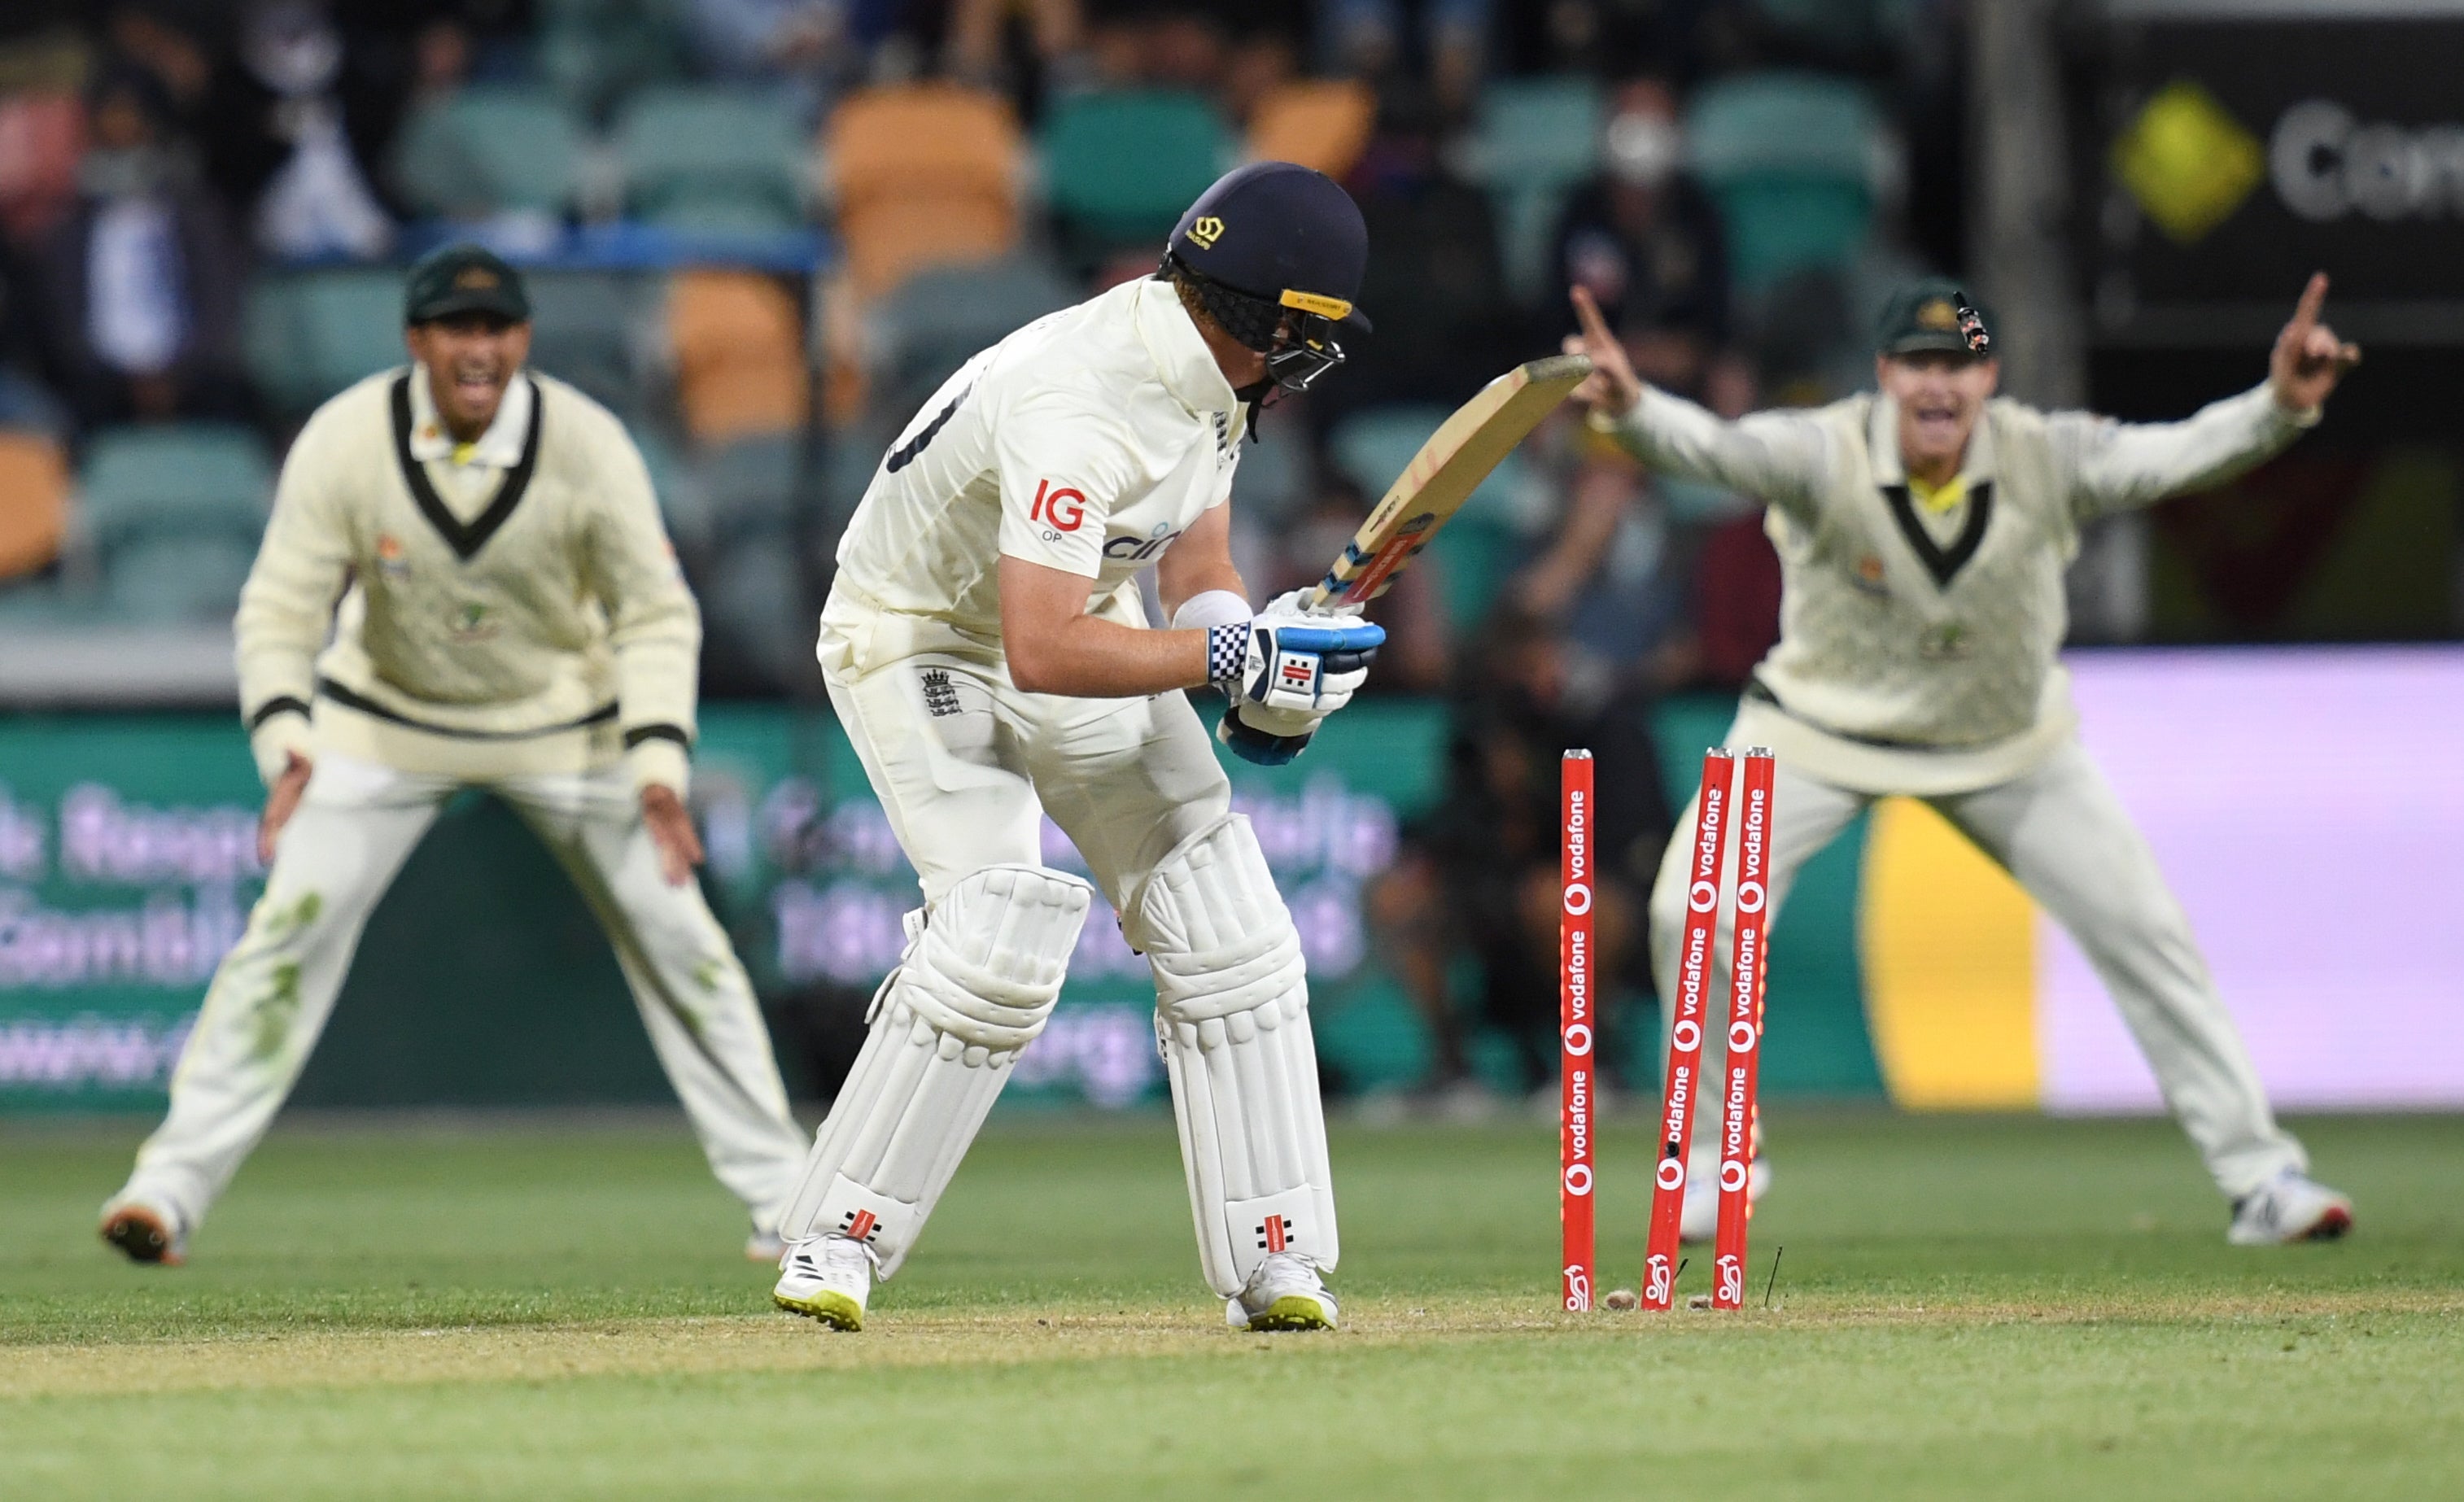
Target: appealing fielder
{"points": [[1922, 532], [986, 652], [510, 617]]}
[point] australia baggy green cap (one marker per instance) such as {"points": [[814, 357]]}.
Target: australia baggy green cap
{"points": [[463, 278], [1935, 314]]}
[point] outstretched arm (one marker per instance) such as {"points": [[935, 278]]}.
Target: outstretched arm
{"points": [[1776, 458], [2116, 466]]}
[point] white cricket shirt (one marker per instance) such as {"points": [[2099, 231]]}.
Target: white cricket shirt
{"points": [[1088, 441], [1916, 654]]}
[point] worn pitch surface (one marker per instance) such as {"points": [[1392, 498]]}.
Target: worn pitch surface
{"points": [[1966, 1307]]}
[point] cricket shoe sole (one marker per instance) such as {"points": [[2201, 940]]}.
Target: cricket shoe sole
{"points": [[827, 1279], [144, 1235], [1284, 1293]]}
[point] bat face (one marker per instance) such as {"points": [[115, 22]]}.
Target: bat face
{"points": [[1443, 476]]}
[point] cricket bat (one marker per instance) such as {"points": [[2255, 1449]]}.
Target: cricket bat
{"points": [[1443, 476]]}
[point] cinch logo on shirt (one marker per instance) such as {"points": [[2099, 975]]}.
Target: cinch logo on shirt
{"points": [[1063, 509], [1131, 546]]}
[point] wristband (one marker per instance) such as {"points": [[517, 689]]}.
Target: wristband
{"points": [[1227, 653], [1210, 608]]}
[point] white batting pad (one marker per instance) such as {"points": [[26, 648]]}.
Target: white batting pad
{"points": [[1232, 1022], [974, 987]]}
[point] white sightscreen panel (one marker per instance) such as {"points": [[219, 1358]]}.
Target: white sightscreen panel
{"points": [[2308, 808]]}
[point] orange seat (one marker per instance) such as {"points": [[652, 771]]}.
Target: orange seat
{"points": [[1319, 122], [922, 175], [893, 240], [740, 355], [33, 502]]}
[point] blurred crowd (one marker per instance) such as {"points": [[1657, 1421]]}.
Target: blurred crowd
{"points": [[764, 230]]}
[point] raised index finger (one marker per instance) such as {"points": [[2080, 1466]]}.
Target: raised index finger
{"points": [[1596, 329], [2313, 297]]}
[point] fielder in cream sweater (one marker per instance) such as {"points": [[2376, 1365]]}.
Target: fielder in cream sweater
{"points": [[465, 582], [1922, 532]]}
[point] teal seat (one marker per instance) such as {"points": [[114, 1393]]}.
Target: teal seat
{"points": [[756, 602], [310, 334], [586, 329], [1534, 141], [1119, 167], [489, 149], [163, 580], [935, 321], [1790, 159], [753, 485], [683, 505], [178, 481], [593, 52], [710, 157], [1483, 546]]}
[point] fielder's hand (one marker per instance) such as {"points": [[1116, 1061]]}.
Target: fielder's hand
{"points": [[1613, 387], [280, 805], [2309, 359], [672, 832]]}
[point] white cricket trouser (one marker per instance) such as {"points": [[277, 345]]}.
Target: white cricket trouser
{"points": [[2064, 836], [966, 766], [355, 827]]}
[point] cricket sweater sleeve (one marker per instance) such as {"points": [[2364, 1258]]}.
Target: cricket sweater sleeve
{"points": [[287, 606], [1778, 458], [653, 624], [2116, 466]]}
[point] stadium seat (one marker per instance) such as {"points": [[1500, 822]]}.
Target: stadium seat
{"points": [[1791, 158], [163, 580], [711, 157], [1319, 122], [937, 321], [1535, 140], [1480, 548], [755, 603], [175, 481], [752, 485], [593, 52], [33, 502], [683, 505], [847, 467], [921, 176], [1119, 167], [486, 149], [740, 354], [586, 327], [310, 334]]}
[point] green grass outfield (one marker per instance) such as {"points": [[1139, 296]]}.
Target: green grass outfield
{"points": [[1968, 1307]]}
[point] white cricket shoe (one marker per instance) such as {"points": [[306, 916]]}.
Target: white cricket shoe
{"points": [[826, 1278], [144, 1233], [765, 1247], [1700, 1220], [2291, 1207], [1284, 1293]]}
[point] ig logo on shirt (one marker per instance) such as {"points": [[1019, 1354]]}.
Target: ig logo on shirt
{"points": [[1062, 510]]}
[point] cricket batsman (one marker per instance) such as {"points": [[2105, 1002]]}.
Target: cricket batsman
{"points": [[481, 545], [986, 652], [1923, 531]]}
